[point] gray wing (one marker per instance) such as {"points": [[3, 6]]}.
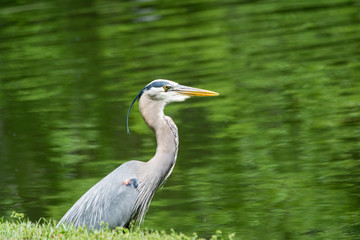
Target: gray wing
{"points": [[110, 201]]}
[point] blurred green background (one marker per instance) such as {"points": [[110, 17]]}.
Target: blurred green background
{"points": [[275, 156]]}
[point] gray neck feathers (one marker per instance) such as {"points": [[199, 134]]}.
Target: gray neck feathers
{"points": [[166, 136], [155, 172]]}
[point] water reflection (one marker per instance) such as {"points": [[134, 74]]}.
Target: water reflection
{"points": [[275, 156]]}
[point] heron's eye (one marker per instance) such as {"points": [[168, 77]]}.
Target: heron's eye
{"points": [[166, 88]]}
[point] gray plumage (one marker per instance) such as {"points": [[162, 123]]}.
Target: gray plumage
{"points": [[125, 194]]}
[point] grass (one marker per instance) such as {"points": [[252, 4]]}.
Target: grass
{"points": [[20, 228]]}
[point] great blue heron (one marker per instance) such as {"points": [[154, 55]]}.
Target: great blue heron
{"points": [[125, 194]]}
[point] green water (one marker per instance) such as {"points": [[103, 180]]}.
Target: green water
{"points": [[275, 156]]}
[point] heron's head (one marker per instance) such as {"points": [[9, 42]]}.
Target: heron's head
{"points": [[168, 91]]}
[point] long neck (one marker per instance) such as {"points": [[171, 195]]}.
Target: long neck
{"points": [[161, 165]]}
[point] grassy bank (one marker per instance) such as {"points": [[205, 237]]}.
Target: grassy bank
{"points": [[20, 228]]}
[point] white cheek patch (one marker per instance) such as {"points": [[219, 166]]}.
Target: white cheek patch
{"points": [[175, 97], [156, 93]]}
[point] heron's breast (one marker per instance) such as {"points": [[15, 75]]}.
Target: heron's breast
{"points": [[130, 183]]}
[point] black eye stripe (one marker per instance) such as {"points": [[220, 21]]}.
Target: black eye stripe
{"points": [[156, 84]]}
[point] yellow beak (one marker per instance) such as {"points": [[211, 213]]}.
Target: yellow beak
{"points": [[190, 91]]}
